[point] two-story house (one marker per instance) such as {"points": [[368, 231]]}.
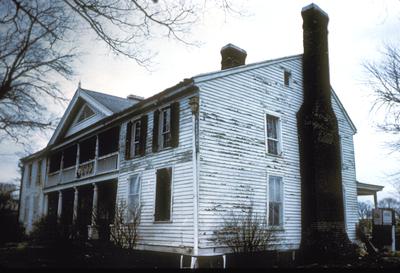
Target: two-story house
{"points": [[187, 155]]}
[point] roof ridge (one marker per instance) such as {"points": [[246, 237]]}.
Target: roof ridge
{"points": [[101, 93]]}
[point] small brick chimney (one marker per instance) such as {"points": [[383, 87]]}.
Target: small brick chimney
{"points": [[323, 225], [232, 56]]}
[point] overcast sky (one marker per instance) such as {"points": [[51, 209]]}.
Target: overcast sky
{"points": [[271, 29]]}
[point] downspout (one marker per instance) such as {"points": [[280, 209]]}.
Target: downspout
{"points": [[194, 105]]}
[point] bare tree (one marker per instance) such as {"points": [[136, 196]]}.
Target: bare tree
{"points": [[364, 210], [384, 78], [37, 47], [390, 203]]}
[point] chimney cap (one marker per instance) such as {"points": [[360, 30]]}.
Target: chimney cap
{"points": [[232, 46], [315, 8], [134, 97]]}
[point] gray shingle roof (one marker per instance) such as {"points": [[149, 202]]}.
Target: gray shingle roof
{"points": [[113, 103]]}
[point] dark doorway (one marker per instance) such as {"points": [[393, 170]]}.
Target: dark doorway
{"points": [[107, 193], [52, 204], [67, 210], [85, 200]]}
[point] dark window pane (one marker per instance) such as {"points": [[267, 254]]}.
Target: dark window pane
{"points": [[272, 131], [108, 141], [87, 149], [272, 147]]}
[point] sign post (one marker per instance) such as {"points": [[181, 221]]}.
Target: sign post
{"points": [[383, 229]]}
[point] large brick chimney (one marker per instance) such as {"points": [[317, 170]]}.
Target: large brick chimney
{"points": [[323, 224]]}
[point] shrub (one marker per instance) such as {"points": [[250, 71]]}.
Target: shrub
{"points": [[48, 229], [124, 232], [245, 232]]}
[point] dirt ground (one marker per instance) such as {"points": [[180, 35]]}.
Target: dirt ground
{"points": [[105, 256]]}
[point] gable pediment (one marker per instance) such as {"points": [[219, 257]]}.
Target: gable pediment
{"points": [[81, 112]]}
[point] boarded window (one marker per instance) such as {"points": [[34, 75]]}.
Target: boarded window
{"points": [[69, 156], [163, 195], [55, 162], [275, 204], [273, 145], [87, 149], [108, 141], [287, 77], [86, 113], [133, 196]]}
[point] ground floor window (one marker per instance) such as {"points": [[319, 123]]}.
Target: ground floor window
{"points": [[275, 200], [163, 195], [133, 196]]}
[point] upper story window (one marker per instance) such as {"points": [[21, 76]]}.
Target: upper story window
{"points": [[287, 78], [273, 134], [165, 132], [134, 197], [166, 127], [85, 113], [136, 137], [275, 201]]}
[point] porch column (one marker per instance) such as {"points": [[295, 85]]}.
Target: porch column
{"points": [[94, 204], [59, 208], [92, 229], [375, 200], [75, 213], [45, 204]]}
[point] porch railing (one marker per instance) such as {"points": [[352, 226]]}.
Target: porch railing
{"points": [[87, 169]]}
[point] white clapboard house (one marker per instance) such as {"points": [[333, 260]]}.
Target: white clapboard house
{"points": [[188, 155]]}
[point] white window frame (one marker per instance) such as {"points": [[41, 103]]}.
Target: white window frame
{"points": [[135, 143], [162, 133], [128, 194], [172, 195], [282, 193], [279, 132]]}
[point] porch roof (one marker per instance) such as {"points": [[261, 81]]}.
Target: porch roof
{"points": [[367, 189]]}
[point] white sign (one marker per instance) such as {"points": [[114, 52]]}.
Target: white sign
{"points": [[387, 217]]}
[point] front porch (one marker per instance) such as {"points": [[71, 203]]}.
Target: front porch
{"points": [[86, 210]]}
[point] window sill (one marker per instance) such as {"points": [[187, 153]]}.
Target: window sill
{"points": [[276, 228], [163, 222], [274, 155]]}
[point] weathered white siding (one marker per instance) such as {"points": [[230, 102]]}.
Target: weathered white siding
{"points": [[234, 164], [178, 233], [32, 198]]}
